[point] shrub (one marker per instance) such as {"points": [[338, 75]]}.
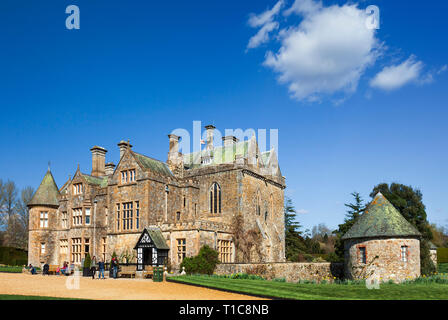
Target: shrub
{"points": [[204, 263], [279, 280], [87, 261], [442, 255], [13, 256]]}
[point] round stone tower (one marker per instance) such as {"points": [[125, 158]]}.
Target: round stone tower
{"points": [[382, 245], [42, 220]]}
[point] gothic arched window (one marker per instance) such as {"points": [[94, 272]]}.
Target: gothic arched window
{"points": [[215, 198]]}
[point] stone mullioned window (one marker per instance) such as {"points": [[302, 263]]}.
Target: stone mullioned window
{"points": [[44, 219], [128, 216], [225, 251]]}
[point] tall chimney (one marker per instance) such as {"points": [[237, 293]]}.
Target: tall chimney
{"points": [[123, 145], [110, 168], [210, 129], [229, 140], [98, 161], [174, 156]]}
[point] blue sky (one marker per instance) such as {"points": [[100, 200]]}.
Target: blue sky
{"points": [[139, 69]]}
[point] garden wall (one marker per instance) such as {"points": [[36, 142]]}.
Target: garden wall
{"points": [[291, 271]]}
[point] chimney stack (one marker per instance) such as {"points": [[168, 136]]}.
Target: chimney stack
{"points": [[229, 140], [98, 161], [110, 168], [210, 128], [123, 145], [174, 156]]}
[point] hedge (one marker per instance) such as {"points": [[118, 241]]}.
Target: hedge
{"points": [[13, 256], [442, 255]]}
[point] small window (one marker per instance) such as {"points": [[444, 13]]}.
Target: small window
{"points": [[362, 255], [42, 248], [178, 216], [404, 253], [77, 188], [87, 215], [86, 245], [44, 219], [181, 249]]}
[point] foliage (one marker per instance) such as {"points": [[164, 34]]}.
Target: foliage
{"points": [[442, 267], [355, 210], [408, 201], [442, 255], [114, 255], [13, 256], [439, 235], [294, 242], [87, 261], [246, 241], [204, 263], [14, 214]]}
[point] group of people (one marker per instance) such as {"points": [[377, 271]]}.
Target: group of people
{"points": [[101, 267], [93, 268]]}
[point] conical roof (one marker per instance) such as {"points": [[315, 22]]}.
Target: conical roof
{"points": [[47, 193], [381, 219]]}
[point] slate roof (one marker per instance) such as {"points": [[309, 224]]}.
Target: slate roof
{"points": [[99, 181], [381, 219], [153, 164], [47, 193], [157, 237]]}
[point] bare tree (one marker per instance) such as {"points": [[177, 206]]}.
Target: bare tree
{"points": [[21, 221]]}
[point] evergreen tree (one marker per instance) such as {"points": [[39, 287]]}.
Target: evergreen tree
{"points": [[355, 210], [294, 242], [408, 202]]}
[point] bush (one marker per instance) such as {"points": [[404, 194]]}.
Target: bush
{"points": [[204, 263], [442, 255], [13, 256], [87, 261]]}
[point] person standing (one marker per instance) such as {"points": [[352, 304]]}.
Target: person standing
{"points": [[93, 267], [114, 267], [101, 269]]}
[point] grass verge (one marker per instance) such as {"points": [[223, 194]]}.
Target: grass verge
{"points": [[285, 290]]}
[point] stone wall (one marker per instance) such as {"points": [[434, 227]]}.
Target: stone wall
{"points": [[291, 271], [383, 259]]}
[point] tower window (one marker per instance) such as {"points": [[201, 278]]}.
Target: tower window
{"points": [[44, 219], [404, 253], [362, 255]]}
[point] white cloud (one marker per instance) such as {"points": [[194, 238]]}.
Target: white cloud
{"points": [[326, 53], [266, 16], [265, 21], [303, 7], [262, 35], [396, 76], [302, 211]]}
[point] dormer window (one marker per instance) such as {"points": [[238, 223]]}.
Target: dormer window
{"points": [[128, 176], [77, 188]]}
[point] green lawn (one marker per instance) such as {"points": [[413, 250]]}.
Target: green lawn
{"points": [[284, 290], [19, 297]]}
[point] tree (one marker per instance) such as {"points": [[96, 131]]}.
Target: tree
{"points": [[294, 242], [355, 210], [8, 209], [408, 201], [21, 219]]}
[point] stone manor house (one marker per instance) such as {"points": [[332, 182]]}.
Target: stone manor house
{"points": [[149, 211]]}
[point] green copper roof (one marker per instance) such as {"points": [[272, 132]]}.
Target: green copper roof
{"points": [[153, 164], [47, 193], [381, 219], [221, 154], [99, 181]]}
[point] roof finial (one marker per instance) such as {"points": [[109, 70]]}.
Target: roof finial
{"points": [[49, 163], [129, 144]]}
